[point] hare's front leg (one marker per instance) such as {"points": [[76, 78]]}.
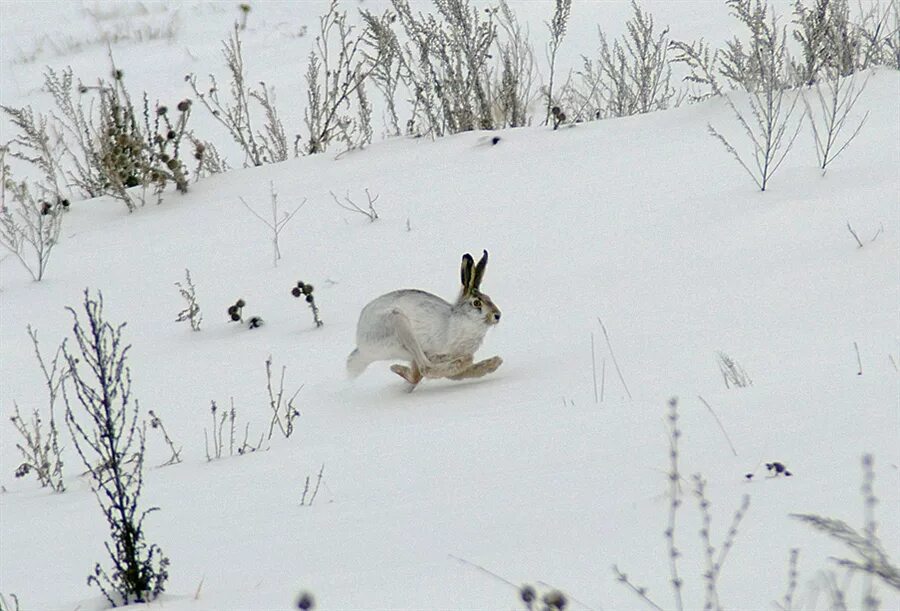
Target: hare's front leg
{"points": [[442, 366], [479, 369]]}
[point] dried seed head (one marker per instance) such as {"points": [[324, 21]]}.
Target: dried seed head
{"points": [[306, 600], [296, 292], [184, 105], [240, 303], [161, 110], [527, 593]]}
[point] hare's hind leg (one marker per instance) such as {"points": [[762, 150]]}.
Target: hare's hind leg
{"points": [[479, 369], [408, 340], [411, 374]]}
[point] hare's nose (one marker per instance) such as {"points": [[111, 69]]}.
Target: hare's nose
{"points": [[496, 315]]}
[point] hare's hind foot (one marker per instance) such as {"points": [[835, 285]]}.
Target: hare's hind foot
{"points": [[410, 374], [479, 369]]}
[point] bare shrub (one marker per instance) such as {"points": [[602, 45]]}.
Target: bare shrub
{"points": [[770, 126], [443, 64], [41, 450], [283, 411], [34, 145], [513, 77], [557, 27], [828, 40], [191, 312], [348, 204], [636, 72], [111, 445], [834, 99], [732, 372], [333, 80], [714, 561], [29, 226], [871, 557], [278, 222], [259, 147], [116, 145], [219, 420]]}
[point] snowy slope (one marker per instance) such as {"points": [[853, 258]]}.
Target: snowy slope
{"points": [[643, 222]]}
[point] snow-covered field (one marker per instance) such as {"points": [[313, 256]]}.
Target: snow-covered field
{"points": [[447, 496]]}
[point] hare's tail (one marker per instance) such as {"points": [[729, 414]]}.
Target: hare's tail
{"points": [[356, 364]]}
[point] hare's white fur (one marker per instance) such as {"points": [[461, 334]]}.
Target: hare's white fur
{"points": [[438, 338]]}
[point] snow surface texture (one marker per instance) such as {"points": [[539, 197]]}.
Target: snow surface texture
{"points": [[643, 222]]}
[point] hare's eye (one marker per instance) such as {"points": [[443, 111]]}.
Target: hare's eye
{"points": [[477, 303]]}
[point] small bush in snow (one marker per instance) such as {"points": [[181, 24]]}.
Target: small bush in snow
{"points": [[870, 556], [443, 64], [714, 562], [635, 71], [513, 82], [116, 145], [219, 419], [557, 27], [41, 451], [268, 146], [733, 374], [283, 411], [191, 312], [334, 82], [311, 492], [277, 223], [156, 423], [833, 99], [110, 441], [29, 225], [306, 291], [348, 204]]}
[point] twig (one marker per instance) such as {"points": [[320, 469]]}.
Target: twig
{"points": [[352, 206], [674, 503], [792, 580], [594, 368], [484, 570], [312, 498], [719, 422], [640, 591], [613, 355], [853, 233], [275, 225], [858, 359], [602, 379]]}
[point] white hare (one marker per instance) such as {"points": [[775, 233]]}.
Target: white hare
{"points": [[438, 339]]}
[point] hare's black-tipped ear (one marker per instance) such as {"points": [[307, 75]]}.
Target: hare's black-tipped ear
{"points": [[479, 271], [465, 272]]}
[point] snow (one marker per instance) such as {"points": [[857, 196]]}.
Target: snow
{"points": [[644, 223]]}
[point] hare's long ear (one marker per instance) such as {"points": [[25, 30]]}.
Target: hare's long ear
{"points": [[478, 276], [465, 272]]}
